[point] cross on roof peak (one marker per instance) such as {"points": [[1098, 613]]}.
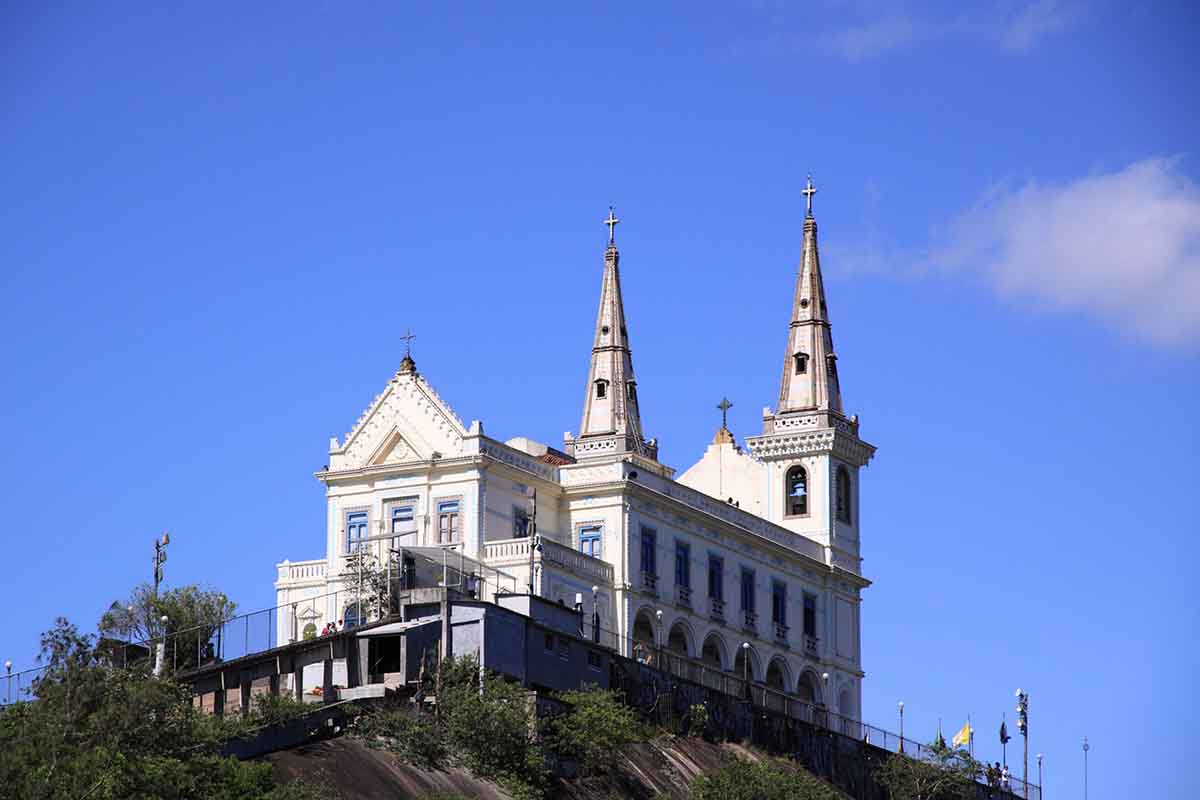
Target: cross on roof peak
{"points": [[808, 191], [724, 406], [408, 337], [612, 223]]}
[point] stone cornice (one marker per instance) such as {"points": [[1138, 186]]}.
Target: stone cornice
{"points": [[407, 468], [843, 445]]}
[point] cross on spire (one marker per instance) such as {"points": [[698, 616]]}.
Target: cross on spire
{"points": [[611, 222], [408, 337], [724, 405], [808, 191]]}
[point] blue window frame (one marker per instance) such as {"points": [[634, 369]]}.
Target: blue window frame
{"points": [[810, 615], [747, 590], [589, 540], [683, 564], [352, 618], [716, 577], [779, 602], [447, 522], [649, 551], [356, 530], [403, 520]]}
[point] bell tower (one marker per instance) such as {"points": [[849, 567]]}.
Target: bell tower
{"points": [[812, 451]]}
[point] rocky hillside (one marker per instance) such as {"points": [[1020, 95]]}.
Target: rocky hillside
{"points": [[660, 769]]}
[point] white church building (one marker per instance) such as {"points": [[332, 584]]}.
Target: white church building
{"points": [[752, 545]]}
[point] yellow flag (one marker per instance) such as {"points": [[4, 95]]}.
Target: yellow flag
{"points": [[963, 737]]}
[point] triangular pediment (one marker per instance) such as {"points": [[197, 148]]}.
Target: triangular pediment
{"points": [[406, 422], [394, 449]]}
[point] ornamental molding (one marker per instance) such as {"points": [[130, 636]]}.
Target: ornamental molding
{"points": [[805, 442]]}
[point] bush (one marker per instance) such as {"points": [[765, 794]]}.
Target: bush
{"points": [[271, 709], [697, 719], [765, 780], [594, 729], [416, 739], [948, 774]]}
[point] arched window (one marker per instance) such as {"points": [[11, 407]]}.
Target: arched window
{"points": [[310, 631], [352, 618], [843, 495], [796, 489], [801, 363], [601, 389]]}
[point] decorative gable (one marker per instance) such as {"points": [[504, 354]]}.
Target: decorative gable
{"points": [[406, 422]]}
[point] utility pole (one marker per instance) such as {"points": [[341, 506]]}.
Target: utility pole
{"points": [[531, 534], [1086, 747], [160, 558], [1023, 726]]}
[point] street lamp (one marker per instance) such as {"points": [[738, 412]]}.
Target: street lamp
{"points": [[8, 669], [1086, 747], [1023, 727], [1039, 760], [746, 667], [658, 619], [901, 706], [595, 616]]}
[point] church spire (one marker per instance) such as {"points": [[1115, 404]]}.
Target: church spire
{"points": [[810, 380], [611, 423]]}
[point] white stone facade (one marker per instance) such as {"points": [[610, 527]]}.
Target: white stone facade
{"points": [[613, 522]]}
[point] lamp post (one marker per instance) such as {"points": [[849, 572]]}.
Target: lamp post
{"points": [[8, 670], [658, 620], [595, 616], [1039, 760], [1086, 747], [901, 706], [1023, 727], [746, 667], [160, 649]]}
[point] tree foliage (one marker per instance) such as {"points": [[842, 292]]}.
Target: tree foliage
{"points": [[946, 773], [763, 780], [103, 733], [595, 728], [193, 615]]}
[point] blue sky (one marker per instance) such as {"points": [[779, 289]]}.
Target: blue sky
{"points": [[218, 221]]}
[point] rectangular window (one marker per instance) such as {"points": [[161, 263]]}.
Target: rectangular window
{"points": [[564, 648], [683, 564], [748, 590], [548, 642], [448, 522], [649, 551], [594, 659], [403, 518], [589, 540], [356, 531], [810, 615], [779, 602], [520, 522], [716, 577]]}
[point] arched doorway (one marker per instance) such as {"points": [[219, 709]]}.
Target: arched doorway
{"points": [[713, 652], [809, 688], [645, 644], [777, 675], [746, 663], [677, 641]]}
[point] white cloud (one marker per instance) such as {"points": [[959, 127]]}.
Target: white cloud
{"points": [[997, 23], [1123, 247], [1035, 20], [866, 41]]}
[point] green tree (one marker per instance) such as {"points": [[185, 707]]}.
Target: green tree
{"points": [[105, 734], [596, 726], [193, 616], [764, 780], [945, 773]]}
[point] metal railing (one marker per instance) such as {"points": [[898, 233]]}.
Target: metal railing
{"points": [[772, 698]]}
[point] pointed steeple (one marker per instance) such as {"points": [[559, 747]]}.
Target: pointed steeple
{"points": [[810, 380], [611, 422]]}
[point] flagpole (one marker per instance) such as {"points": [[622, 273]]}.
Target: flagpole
{"points": [[1003, 741], [970, 738]]}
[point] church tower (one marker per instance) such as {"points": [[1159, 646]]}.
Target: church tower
{"points": [[611, 424], [811, 449]]}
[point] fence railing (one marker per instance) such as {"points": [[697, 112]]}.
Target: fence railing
{"points": [[773, 698]]}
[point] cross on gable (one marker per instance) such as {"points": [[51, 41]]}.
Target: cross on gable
{"points": [[724, 405], [408, 337]]}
